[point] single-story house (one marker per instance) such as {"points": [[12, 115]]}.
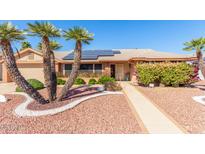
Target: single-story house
{"points": [[117, 63]]}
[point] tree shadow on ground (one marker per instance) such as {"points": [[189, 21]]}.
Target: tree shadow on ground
{"points": [[81, 91]]}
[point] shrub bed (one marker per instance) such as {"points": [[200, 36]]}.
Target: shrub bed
{"points": [[92, 82], [104, 79], [79, 81], [169, 74], [61, 81], [36, 84]]}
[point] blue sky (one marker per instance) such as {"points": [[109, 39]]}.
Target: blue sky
{"points": [[166, 36]]}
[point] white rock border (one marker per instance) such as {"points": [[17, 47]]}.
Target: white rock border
{"points": [[199, 99], [22, 111]]}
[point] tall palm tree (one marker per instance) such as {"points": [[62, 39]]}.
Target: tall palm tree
{"points": [[25, 45], [54, 45], [45, 30], [8, 34], [80, 35], [198, 45]]}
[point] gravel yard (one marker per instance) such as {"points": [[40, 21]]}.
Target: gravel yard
{"points": [[178, 103], [104, 114]]}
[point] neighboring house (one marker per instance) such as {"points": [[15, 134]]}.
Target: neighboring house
{"points": [[117, 63]]}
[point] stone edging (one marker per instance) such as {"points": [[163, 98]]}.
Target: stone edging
{"points": [[22, 111], [199, 99]]}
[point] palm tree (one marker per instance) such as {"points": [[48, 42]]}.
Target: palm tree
{"points": [[198, 45], [25, 45], [54, 45], [80, 35], [8, 34], [45, 30]]}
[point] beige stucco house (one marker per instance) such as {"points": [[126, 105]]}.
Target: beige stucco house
{"points": [[118, 63]]}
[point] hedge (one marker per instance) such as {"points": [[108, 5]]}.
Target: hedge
{"points": [[104, 79], [169, 74]]}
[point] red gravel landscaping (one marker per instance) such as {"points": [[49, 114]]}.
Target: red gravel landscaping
{"points": [[104, 114], [75, 93], [178, 103]]}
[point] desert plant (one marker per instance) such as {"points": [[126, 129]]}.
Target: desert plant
{"points": [[198, 45], [25, 45], [112, 86], [36, 84], [80, 35], [92, 82], [104, 79], [79, 81], [9, 34], [45, 30], [61, 81]]}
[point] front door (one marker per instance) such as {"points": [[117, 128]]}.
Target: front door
{"points": [[112, 70]]}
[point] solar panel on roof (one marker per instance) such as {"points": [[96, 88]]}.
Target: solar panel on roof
{"points": [[91, 54]]}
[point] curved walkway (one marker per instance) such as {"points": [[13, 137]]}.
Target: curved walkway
{"points": [[154, 120], [22, 110]]}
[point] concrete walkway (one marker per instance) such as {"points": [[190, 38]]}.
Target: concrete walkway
{"points": [[154, 120], [6, 88]]}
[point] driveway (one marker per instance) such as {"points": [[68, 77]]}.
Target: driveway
{"points": [[6, 88]]}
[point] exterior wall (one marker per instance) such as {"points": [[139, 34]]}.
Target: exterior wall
{"points": [[5, 74], [32, 71], [1, 72], [25, 57], [133, 74], [106, 69]]}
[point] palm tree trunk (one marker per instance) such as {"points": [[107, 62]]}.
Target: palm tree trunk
{"points": [[74, 72], [201, 62], [54, 77], [47, 67], [16, 76]]}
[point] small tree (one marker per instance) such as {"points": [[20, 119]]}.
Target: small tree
{"points": [[80, 35], [45, 30], [198, 45], [25, 45], [8, 34]]}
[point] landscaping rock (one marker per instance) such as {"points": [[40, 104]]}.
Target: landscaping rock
{"points": [[2, 99]]}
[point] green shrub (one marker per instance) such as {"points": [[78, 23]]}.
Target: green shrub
{"points": [[61, 81], [148, 73], [104, 79], [92, 82], [36, 84], [176, 75], [169, 74], [112, 86], [79, 81]]}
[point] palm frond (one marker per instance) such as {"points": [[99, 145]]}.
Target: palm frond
{"points": [[8, 32], [43, 29]]}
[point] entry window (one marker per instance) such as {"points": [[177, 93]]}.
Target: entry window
{"points": [[31, 56]]}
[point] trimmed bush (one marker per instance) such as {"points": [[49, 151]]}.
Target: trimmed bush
{"points": [[36, 84], [92, 82], [79, 81], [112, 86], [169, 74], [104, 79], [148, 73], [61, 81]]}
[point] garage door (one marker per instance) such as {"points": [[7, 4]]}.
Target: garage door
{"points": [[32, 71], [0, 72]]}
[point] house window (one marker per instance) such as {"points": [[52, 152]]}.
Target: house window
{"points": [[86, 67], [98, 67], [68, 66], [31, 56]]}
